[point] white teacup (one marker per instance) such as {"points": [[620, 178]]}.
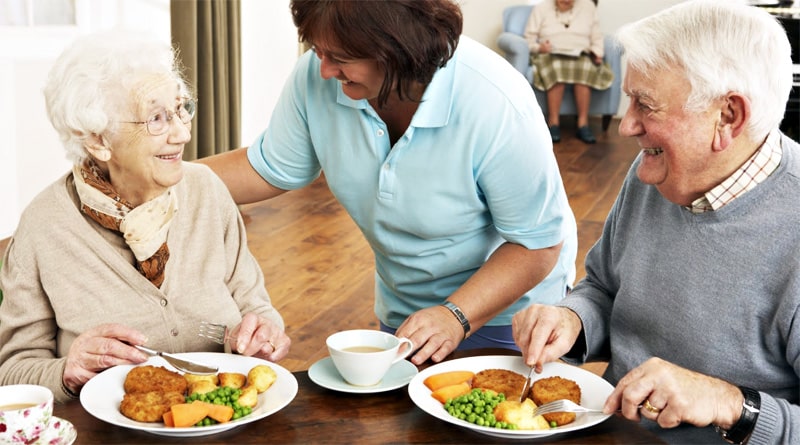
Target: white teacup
{"points": [[26, 411], [363, 356]]}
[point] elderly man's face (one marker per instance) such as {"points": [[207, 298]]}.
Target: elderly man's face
{"points": [[143, 166], [676, 143]]}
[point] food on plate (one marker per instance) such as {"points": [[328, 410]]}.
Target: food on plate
{"points": [[156, 394], [232, 379], [556, 388], [520, 414], [201, 386], [491, 398], [478, 407], [192, 378], [149, 378], [446, 393], [503, 381], [149, 406], [436, 381], [262, 377], [249, 397]]}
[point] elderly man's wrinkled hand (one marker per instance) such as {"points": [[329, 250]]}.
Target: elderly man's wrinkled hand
{"points": [[434, 331], [100, 348], [259, 337], [670, 395], [545, 333]]}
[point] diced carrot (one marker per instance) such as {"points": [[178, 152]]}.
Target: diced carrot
{"points": [[443, 379], [168, 420], [220, 413], [446, 393], [187, 414]]}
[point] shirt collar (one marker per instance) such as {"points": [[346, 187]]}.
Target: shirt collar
{"points": [[753, 172]]}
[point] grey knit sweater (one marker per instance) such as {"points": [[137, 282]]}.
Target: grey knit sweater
{"points": [[717, 293]]}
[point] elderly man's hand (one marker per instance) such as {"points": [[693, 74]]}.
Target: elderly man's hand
{"points": [[671, 395], [100, 348], [434, 331], [259, 337], [545, 333]]}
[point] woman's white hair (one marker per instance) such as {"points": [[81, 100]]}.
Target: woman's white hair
{"points": [[722, 46], [92, 79]]}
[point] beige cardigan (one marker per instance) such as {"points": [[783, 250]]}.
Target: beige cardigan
{"points": [[582, 34], [63, 274]]}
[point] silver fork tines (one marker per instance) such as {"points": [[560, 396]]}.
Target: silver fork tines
{"points": [[216, 332], [562, 406]]}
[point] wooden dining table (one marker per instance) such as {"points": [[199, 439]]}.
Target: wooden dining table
{"points": [[320, 415]]}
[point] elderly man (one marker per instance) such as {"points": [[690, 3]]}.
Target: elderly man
{"points": [[692, 293]]}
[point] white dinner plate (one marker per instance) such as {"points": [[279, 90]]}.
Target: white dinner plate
{"points": [[324, 374], [594, 391], [102, 395]]}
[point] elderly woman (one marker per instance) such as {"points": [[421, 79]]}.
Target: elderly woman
{"points": [[567, 48], [133, 246]]}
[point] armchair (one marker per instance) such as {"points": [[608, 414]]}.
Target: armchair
{"points": [[515, 48]]}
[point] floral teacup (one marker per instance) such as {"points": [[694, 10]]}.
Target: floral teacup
{"points": [[25, 412]]}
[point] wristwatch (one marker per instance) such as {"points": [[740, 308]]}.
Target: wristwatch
{"points": [[456, 311], [741, 430]]}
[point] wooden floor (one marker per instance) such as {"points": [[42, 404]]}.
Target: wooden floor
{"points": [[319, 269]]}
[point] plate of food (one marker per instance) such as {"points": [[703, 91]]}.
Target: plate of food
{"points": [[103, 395], [508, 374]]}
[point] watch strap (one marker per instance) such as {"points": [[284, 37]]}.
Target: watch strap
{"points": [[456, 311], [742, 429]]}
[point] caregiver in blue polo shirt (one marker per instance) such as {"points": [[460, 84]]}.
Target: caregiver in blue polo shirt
{"points": [[438, 150]]}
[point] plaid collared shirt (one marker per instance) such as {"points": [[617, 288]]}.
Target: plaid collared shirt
{"points": [[758, 168]]}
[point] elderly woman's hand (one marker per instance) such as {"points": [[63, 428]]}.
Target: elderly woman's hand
{"points": [[545, 333], [671, 395], [100, 348], [545, 47], [259, 337]]}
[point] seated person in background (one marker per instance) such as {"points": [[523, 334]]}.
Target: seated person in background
{"points": [[567, 48], [133, 246], [692, 292]]}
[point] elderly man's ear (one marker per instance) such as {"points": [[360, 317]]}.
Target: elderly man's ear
{"points": [[97, 146], [734, 114]]}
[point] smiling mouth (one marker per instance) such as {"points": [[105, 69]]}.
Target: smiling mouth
{"points": [[169, 157], [653, 151]]}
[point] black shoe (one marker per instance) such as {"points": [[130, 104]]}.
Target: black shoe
{"points": [[585, 134], [555, 133]]}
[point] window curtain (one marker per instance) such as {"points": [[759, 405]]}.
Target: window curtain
{"points": [[206, 34]]}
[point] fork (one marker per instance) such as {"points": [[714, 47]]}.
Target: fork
{"points": [[216, 332], [563, 406]]}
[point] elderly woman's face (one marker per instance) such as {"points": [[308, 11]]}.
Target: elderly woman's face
{"points": [[676, 143], [143, 166]]}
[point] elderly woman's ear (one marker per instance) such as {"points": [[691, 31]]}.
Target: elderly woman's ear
{"points": [[97, 146]]}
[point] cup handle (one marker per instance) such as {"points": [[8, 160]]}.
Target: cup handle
{"points": [[403, 353]]}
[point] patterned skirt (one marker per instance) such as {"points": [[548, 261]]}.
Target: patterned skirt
{"points": [[553, 68]]}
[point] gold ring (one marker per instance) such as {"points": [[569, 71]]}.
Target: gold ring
{"points": [[650, 407], [272, 344]]}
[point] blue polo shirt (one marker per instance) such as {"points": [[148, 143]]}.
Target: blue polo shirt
{"points": [[474, 169]]}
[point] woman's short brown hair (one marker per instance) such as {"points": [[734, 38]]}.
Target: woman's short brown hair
{"points": [[409, 39]]}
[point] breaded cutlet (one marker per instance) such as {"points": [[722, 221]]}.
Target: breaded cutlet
{"points": [[556, 388], [503, 381]]}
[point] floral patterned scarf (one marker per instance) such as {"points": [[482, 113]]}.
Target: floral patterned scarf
{"points": [[144, 227]]}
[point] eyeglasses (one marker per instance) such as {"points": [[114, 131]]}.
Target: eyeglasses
{"points": [[158, 123]]}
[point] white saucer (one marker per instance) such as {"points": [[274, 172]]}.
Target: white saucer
{"points": [[324, 374], [59, 432]]}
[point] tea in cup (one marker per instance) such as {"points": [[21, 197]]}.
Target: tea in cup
{"points": [[25, 410], [364, 356]]}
